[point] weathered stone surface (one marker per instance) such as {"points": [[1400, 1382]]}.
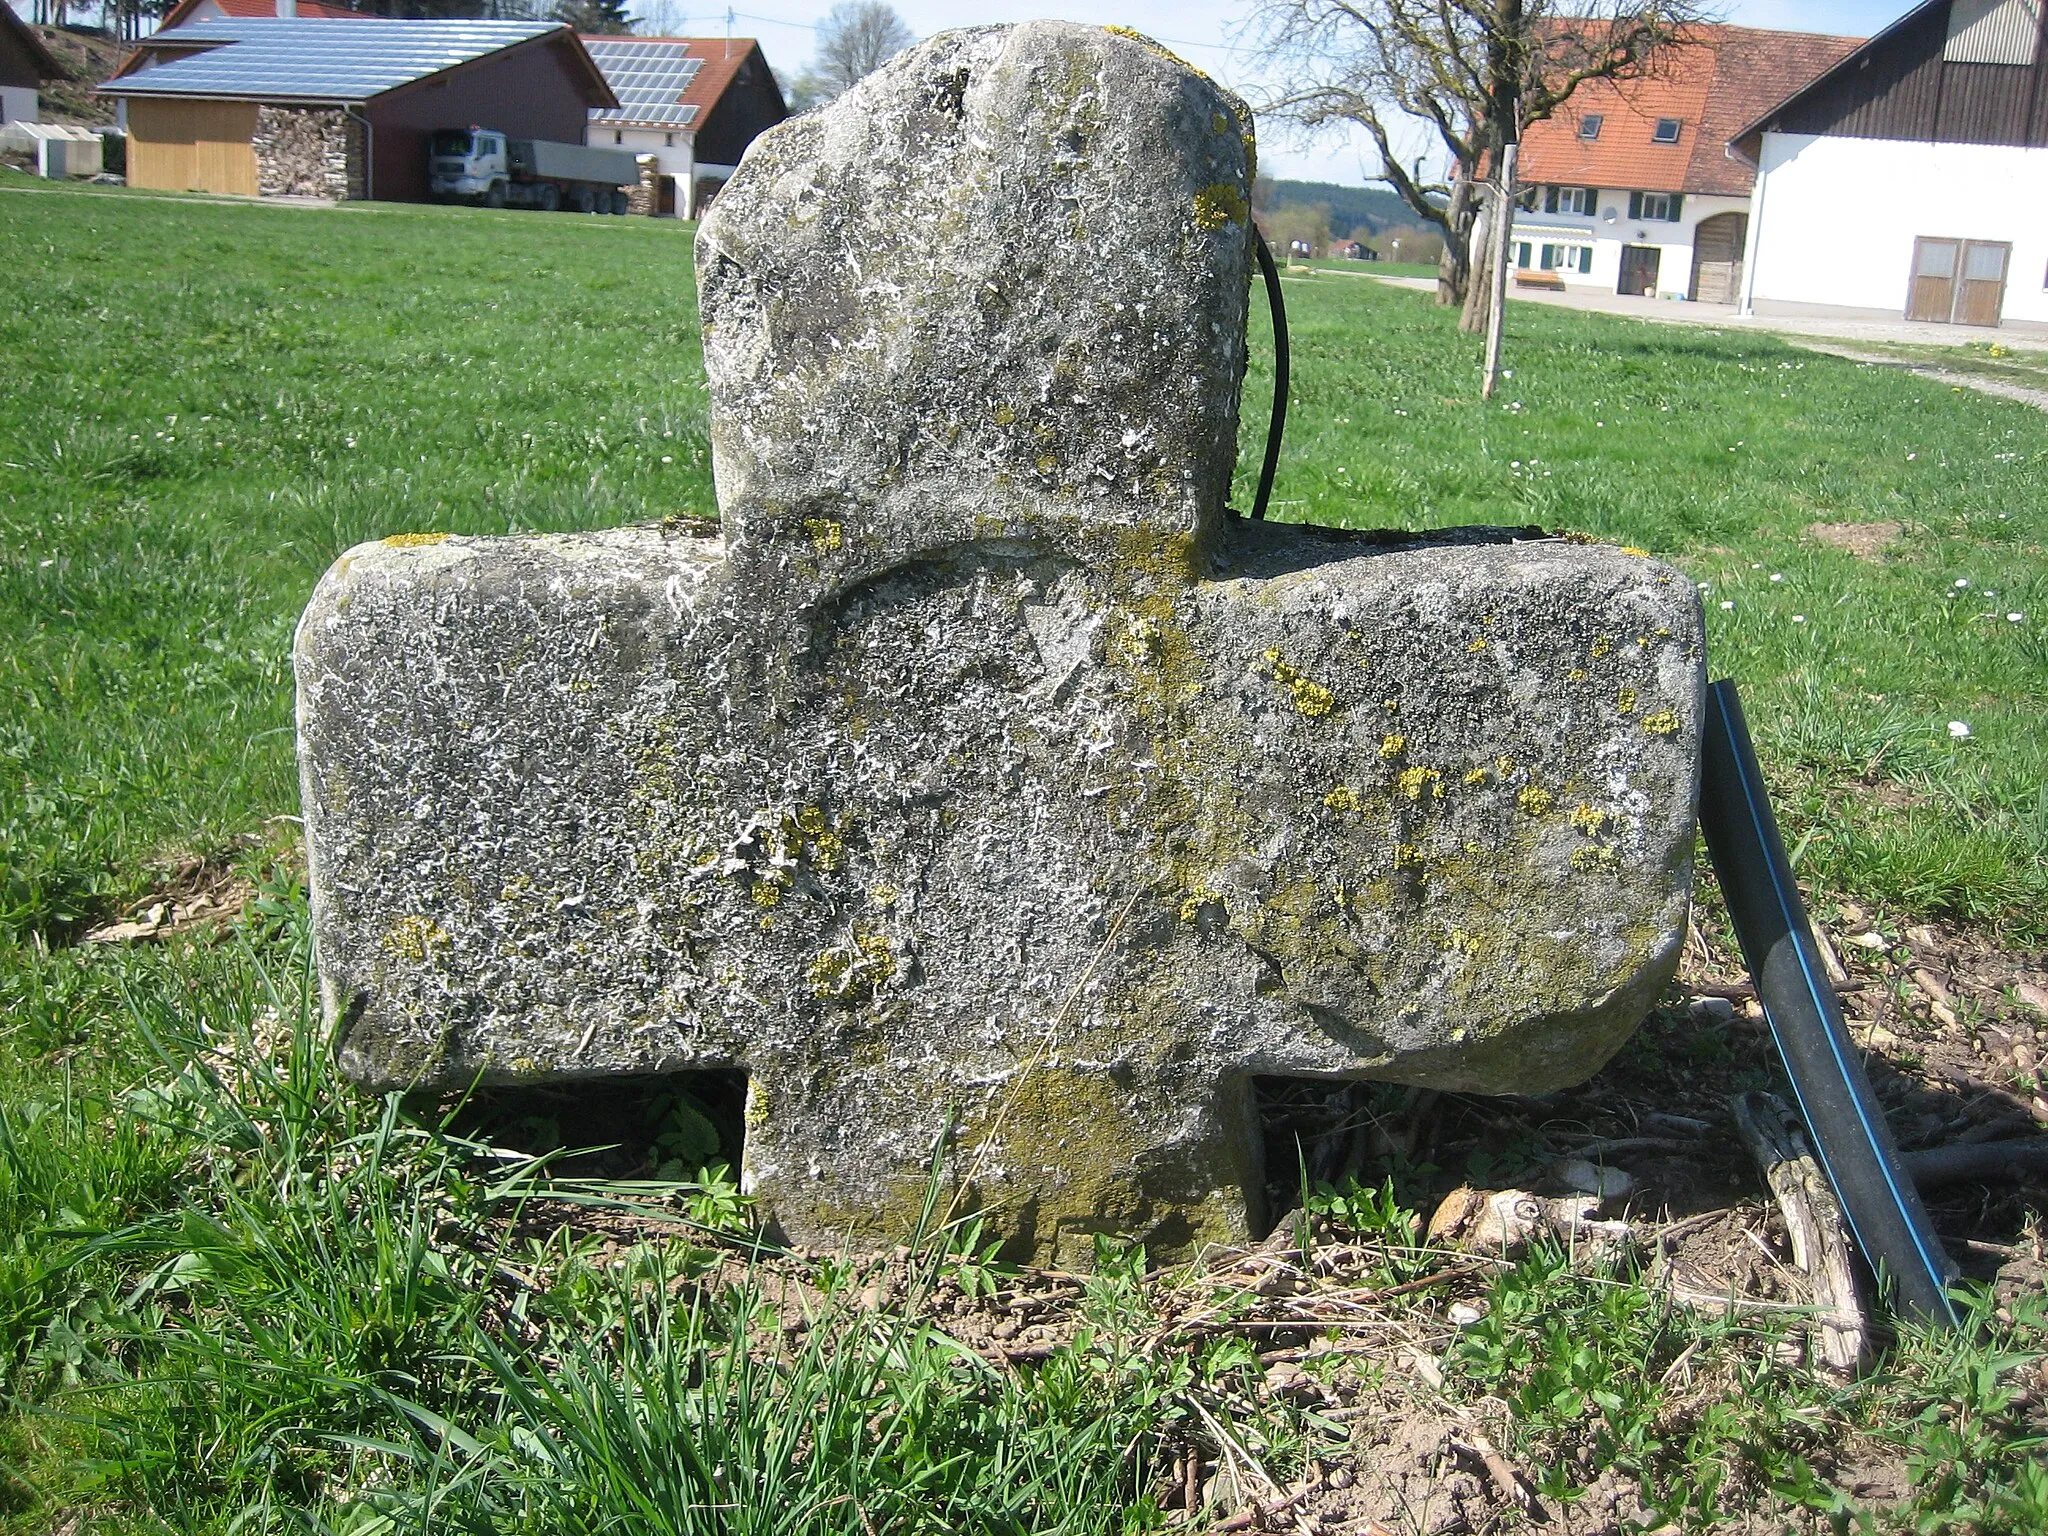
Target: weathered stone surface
{"points": [[986, 775]]}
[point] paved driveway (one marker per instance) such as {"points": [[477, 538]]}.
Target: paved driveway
{"points": [[1839, 325]]}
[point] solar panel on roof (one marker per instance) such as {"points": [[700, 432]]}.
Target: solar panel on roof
{"points": [[309, 59], [648, 78]]}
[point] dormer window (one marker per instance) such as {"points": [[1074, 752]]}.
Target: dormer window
{"points": [[1589, 126], [1666, 131]]}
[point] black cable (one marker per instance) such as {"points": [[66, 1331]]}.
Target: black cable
{"points": [[1276, 428], [1856, 1149]]}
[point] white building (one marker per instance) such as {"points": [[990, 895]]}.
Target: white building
{"points": [[690, 104], [1911, 180], [1631, 189]]}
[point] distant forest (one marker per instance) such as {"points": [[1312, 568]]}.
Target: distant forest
{"points": [[1375, 208]]}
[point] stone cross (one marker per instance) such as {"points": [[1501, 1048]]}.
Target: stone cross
{"points": [[987, 778]]}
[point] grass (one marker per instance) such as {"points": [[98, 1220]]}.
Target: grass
{"points": [[235, 1294]]}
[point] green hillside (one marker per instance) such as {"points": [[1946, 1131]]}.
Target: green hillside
{"points": [[1377, 208]]}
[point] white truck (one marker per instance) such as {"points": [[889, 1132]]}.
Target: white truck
{"points": [[479, 165]]}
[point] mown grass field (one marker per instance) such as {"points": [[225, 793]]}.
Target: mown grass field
{"points": [[236, 1295]]}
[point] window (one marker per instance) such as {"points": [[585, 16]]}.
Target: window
{"points": [[1992, 31], [1666, 131], [1526, 199], [1575, 200], [669, 139], [1522, 253], [1589, 126], [1656, 207], [618, 135]]}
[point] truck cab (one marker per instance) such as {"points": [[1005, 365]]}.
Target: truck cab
{"points": [[467, 163]]}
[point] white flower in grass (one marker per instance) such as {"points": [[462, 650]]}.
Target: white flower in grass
{"points": [[1726, 605], [2015, 618], [1958, 731], [1962, 583], [1798, 618], [1777, 575]]}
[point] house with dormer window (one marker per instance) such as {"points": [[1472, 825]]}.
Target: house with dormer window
{"points": [[1631, 188]]}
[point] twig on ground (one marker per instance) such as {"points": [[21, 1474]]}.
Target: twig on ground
{"points": [[1813, 1220], [1513, 1487], [1245, 1519]]}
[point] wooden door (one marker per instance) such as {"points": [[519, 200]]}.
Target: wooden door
{"points": [[1639, 264], [1980, 298], [192, 146], [1933, 294], [1717, 258]]}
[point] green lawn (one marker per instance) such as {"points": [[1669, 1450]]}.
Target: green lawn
{"points": [[235, 1294]]}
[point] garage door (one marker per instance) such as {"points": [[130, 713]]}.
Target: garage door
{"points": [[192, 146]]}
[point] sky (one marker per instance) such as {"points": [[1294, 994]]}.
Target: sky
{"points": [[1208, 33], [1212, 34]]}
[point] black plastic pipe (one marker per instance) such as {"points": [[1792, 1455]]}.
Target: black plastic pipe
{"points": [[1276, 425], [1849, 1133]]}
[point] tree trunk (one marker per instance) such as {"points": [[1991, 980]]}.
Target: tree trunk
{"points": [[1478, 296], [1454, 271]]}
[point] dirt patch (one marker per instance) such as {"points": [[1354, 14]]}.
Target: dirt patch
{"points": [[1866, 541], [194, 894]]}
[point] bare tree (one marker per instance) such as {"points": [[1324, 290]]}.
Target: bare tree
{"points": [[1474, 73], [855, 40]]}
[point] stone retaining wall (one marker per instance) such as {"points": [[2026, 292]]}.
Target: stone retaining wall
{"points": [[308, 152]]}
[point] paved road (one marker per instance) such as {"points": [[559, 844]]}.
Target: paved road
{"points": [[1845, 325], [1817, 333]]}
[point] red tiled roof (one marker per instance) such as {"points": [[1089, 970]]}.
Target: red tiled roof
{"points": [[247, 10], [1715, 83]]}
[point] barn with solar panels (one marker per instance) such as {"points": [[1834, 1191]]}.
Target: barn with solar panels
{"points": [[689, 107], [341, 109]]}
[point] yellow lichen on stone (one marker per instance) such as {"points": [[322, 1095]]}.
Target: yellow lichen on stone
{"points": [[1595, 857], [1311, 698], [827, 537], [1218, 205], [1408, 856], [1663, 723], [1342, 798], [1477, 645], [1576, 675], [1476, 777], [1589, 820], [1392, 747], [1630, 549], [414, 540], [1413, 782], [1601, 647], [855, 970], [1625, 701], [1535, 801], [414, 937]]}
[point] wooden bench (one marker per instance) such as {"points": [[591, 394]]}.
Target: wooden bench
{"points": [[1536, 279]]}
